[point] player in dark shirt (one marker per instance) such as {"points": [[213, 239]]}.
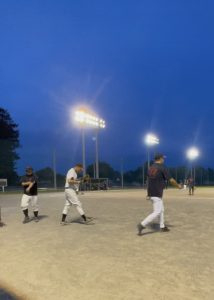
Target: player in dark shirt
{"points": [[29, 183], [157, 177], [191, 185]]}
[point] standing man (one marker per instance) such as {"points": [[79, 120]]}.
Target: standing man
{"points": [[191, 185], [29, 183], [157, 177], [71, 189]]}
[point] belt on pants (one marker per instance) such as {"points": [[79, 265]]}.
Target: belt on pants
{"points": [[69, 188]]}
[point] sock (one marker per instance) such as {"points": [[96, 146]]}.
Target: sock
{"points": [[25, 212], [84, 217], [63, 217], [36, 213]]}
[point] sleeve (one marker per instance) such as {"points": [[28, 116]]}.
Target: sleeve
{"points": [[166, 173], [70, 174], [22, 179]]}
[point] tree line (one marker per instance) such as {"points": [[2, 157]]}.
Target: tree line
{"points": [[9, 144]]}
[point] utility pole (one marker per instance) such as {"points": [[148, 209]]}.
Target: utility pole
{"points": [[143, 171], [121, 172], [54, 169]]}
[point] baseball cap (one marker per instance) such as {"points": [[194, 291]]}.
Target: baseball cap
{"points": [[29, 168], [159, 156]]}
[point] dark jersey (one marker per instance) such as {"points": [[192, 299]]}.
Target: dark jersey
{"points": [[158, 175], [30, 178], [191, 182]]}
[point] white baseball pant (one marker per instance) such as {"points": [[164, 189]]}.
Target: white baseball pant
{"points": [[71, 198], [158, 211], [26, 200]]}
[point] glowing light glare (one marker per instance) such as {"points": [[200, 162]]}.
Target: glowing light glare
{"points": [[85, 118], [151, 140], [192, 153]]}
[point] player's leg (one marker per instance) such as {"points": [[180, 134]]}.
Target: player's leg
{"points": [[66, 208], [163, 228], [78, 205], [34, 203], [162, 225], [157, 208], [24, 206]]}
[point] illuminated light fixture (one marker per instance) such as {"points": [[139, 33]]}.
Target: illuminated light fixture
{"points": [[151, 139], [84, 118], [192, 153]]}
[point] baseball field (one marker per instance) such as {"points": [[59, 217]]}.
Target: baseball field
{"points": [[107, 260]]}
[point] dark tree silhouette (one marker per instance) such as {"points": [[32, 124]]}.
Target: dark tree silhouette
{"points": [[9, 142]]}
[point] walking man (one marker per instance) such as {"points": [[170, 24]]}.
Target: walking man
{"points": [[29, 183], [191, 185], [71, 189], [157, 177]]}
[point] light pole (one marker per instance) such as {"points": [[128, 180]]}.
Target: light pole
{"points": [[54, 169], [100, 123], [87, 119], [150, 140], [97, 155], [122, 174], [192, 154], [83, 151]]}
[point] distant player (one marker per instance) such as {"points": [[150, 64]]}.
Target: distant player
{"points": [[191, 185], [29, 183], [157, 177], [71, 189]]}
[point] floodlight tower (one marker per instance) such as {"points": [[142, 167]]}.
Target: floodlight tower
{"points": [[150, 140], [192, 154], [89, 120]]}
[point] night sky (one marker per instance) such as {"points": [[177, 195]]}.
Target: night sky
{"points": [[141, 65]]}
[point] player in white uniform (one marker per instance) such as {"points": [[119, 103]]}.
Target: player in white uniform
{"points": [[71, 188]]}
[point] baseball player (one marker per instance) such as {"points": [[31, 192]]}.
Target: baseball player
{"points": [[29, 183], [191, 185], [157, 176], [71, 189]]}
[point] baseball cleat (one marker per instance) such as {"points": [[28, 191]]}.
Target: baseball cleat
{"points": [[63, 223], [165, 229], [26, 220], [2, 224], [89, 221], [36, 219], [140, 228]]}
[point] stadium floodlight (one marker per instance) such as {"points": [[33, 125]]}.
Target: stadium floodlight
{"points": [[192, 153], [150, 140], [87, 119]]}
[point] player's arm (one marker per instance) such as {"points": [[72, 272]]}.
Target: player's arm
{"points": [[26, 183], [30, 186], [170, 179], [174, 183], [73, 181]]}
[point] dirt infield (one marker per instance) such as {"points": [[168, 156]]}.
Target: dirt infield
{"points": [[108, 261]]}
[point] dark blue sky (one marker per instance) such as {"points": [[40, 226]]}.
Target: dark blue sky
{"points": [[142, 65]]}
